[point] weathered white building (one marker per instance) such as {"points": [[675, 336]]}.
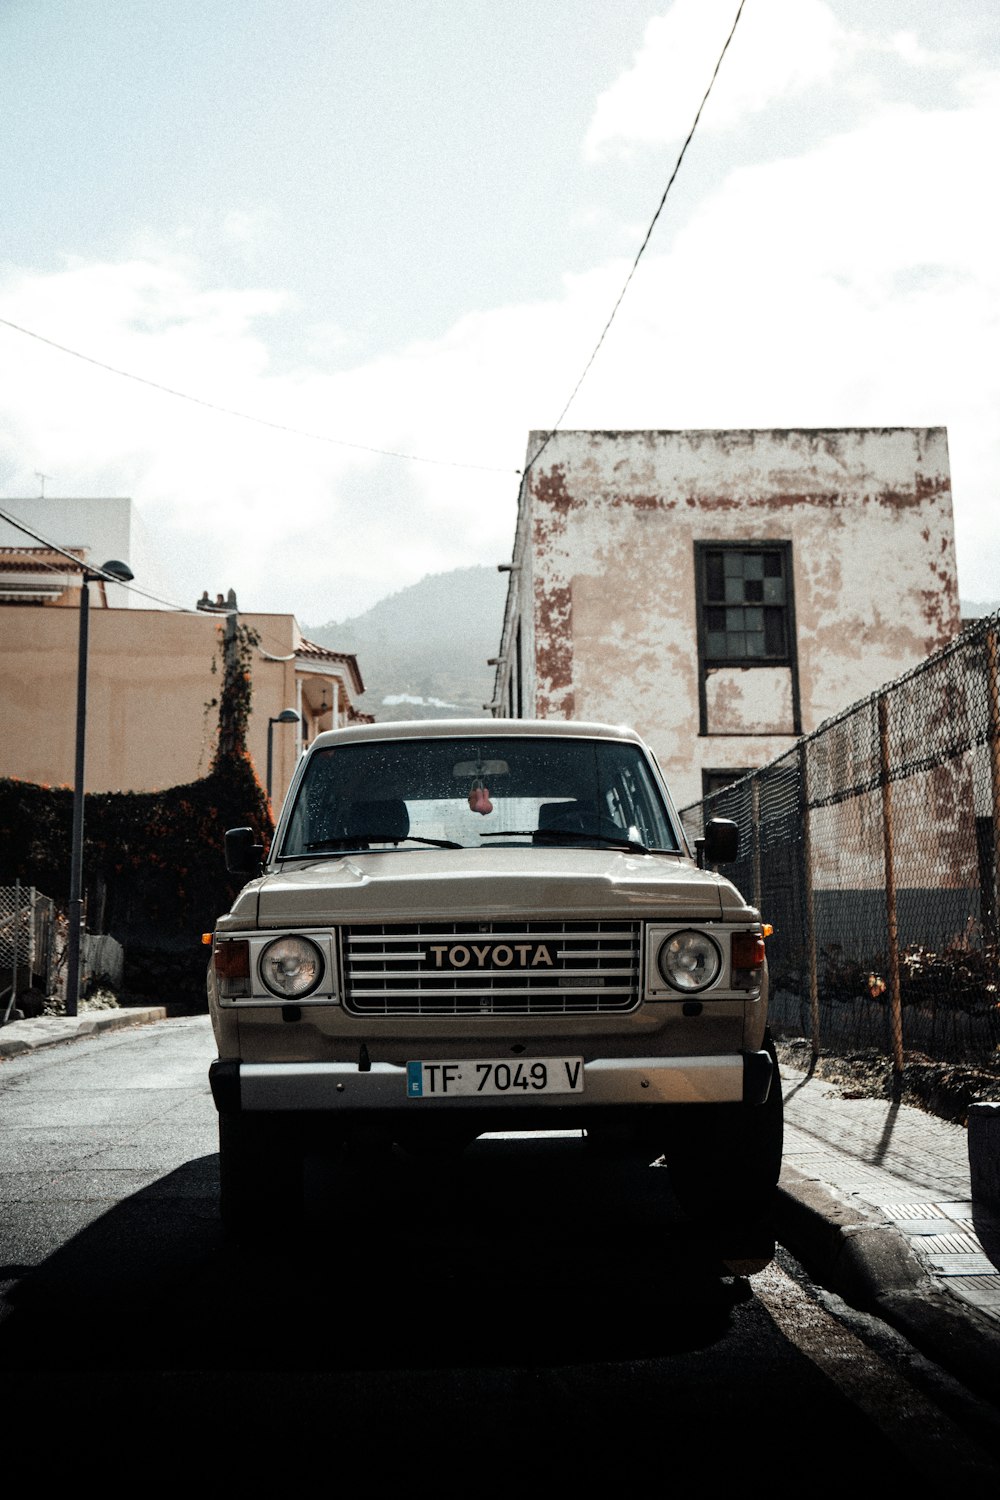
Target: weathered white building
{"points": [[725, 592]]}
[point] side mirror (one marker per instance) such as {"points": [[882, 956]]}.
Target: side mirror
{"points": [[722, 841], [243, 853]]}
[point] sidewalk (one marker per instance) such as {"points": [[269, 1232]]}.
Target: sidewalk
{"points": [[875, 1203], [18, 1037]]}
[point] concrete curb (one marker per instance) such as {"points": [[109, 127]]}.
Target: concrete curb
{"points": [[853, 1251], [20, 1037]]}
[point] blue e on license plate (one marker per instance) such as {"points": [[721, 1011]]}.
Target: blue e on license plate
{"points": [[452, 1080]]}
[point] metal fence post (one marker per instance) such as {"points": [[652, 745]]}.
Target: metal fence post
{"points": [[755, 825], [808, 909], [15, 935], [993, 700], [32, 935], [17, 942], [895, 996]]}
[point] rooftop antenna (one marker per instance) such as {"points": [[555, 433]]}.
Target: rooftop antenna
{"points": [[41, 479]]}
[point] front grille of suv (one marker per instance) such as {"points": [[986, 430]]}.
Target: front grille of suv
{"points": [[492, 968]]}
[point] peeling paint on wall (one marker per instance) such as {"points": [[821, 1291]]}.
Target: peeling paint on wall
{"points": [[756, 700], [554, 652], [549, 486]]}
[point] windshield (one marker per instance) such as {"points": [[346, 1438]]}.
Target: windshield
{"points": [[477, 793]]}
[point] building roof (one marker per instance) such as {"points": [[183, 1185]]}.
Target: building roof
{"points": [[312, 652], [38, 575]]}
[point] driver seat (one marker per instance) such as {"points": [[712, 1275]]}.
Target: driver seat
{"points": [[387, 820]]}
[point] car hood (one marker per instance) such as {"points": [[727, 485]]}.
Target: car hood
{"points": [[448, 885]]}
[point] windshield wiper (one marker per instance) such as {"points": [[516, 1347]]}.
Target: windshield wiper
{"points": [[572, 836], [361, 840]]}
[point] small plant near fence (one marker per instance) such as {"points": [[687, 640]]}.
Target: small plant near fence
{"points": [[954, 977]]}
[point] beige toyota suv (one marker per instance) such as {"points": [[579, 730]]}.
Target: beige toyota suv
{"points": [[465, 926]]}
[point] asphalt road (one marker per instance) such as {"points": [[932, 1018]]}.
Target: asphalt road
{"points": [[532, 1316]]}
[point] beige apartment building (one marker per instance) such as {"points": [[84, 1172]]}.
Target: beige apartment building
{"points": [[153, 682]]}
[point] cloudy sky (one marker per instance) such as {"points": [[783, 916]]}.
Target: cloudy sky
{"points": [[400, 226]]}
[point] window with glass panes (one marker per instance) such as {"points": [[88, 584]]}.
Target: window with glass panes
{"points": [[744, 598]]}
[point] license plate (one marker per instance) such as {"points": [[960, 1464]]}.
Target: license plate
{"points": [[521, 1079]]}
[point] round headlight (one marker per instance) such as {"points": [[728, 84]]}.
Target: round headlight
{"points": [[291, 967], [689, 961]]}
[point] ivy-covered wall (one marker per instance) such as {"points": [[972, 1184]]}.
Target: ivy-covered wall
{"points": [[153, 862]]}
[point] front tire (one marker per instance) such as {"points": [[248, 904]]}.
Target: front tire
{"points": [[260, 1174], [724, 1162]]}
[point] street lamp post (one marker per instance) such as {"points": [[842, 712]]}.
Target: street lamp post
{"points": [[122, 574], [287, 716]]}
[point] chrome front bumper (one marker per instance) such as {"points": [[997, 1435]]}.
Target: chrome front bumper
{"points": [[639, 1081]]}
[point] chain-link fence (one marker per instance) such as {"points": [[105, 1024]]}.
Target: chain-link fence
{"points": [[30, 945], [871, 848]]}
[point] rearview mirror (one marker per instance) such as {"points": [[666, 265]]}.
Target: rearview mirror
{"points": [[722, 841], [243, 854], [481, 768]]}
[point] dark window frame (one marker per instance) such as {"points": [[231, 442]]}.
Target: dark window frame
{"points": [[708, 662], [713, 773]]}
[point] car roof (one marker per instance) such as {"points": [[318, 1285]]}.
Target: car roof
{"points": [[417, 729]]}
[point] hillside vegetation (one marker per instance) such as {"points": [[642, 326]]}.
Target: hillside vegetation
{"points": [[423, 651]]}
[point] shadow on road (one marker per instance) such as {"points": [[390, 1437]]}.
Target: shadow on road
{"points": [[522, 1253], [528, 1315]]}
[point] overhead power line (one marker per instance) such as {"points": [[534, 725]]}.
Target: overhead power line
{"points": [[648, 236], [414, 458], [244, 416], [132, 588]]}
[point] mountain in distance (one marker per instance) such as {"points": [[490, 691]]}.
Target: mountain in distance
{"points": [[978, 609], [422, 652]]}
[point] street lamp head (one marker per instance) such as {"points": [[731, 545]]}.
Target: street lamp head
{"points": [[287, 716], [119, 570]]}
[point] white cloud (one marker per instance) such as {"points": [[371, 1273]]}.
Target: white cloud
{"points": [[908, 47], [295, 524], [244, 225], [780, 47], [856, 284]]}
